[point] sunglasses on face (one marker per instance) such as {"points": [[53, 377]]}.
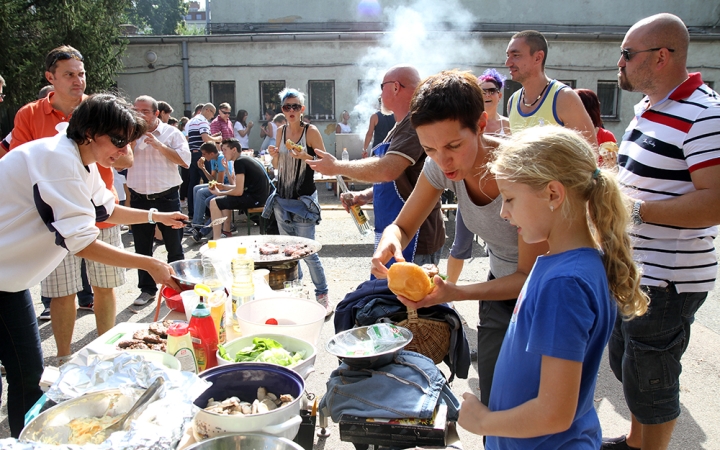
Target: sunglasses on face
{"points": [[118, 142], [490, 91], [291, 106], [387, 82], [627, 54], [224, 112]]}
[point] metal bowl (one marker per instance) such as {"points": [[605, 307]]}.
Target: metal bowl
{"points": [[357, 347], [188, 273], [50, 427], [234, 441]]}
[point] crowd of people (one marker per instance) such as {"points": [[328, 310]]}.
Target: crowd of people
{"points": [[586, 251]]}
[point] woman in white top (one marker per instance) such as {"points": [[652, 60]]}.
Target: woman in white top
{"points": [[491, 83], [343, 126], [242, 129]]}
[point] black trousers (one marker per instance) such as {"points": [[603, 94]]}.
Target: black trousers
{"points": [[143, 233]]}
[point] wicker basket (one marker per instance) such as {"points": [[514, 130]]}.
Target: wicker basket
{"points": [[431, 337]]}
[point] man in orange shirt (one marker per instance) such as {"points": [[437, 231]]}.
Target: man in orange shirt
{"points": [[45, 118]]}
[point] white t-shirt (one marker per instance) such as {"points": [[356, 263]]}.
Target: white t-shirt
{"points": [[244, 140], [54, 205]]}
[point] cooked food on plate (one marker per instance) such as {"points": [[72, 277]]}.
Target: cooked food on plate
{"points": [[265, 401]]}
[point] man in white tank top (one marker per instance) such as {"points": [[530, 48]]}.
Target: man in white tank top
{"points": [[541, 101]]}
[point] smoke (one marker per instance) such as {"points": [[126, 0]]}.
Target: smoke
{"points": [[430, 35]]}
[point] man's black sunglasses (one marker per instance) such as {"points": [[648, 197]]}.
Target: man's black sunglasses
{"points": [[627, 54]]}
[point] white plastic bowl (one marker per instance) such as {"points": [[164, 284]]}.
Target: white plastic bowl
{"points": [[299, 318], [292, 344]]}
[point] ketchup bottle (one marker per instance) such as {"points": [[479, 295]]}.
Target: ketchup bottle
{"points": [[204, 337]]}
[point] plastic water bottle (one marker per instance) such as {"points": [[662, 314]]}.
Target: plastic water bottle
{"points": [[345, 154], [210, 276], [356, 212], [243, 290]]}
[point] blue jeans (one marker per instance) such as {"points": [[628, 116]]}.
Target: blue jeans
{"points": [[645, 353], [201, 200], [303, 228], [143, 234], [195, 177], [21, 354]]}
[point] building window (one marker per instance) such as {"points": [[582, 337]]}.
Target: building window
{"points": [[571, 83], [321, 102], [608, 93], [508, 90], [222, 92], [269, 99]]}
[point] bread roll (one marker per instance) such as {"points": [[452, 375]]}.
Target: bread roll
{"points": [[409, 280]]}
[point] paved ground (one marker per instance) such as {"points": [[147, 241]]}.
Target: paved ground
{"points": [[345, 256]]}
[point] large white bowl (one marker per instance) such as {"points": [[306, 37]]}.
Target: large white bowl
{"points": [[296, 317], [292, 344]]}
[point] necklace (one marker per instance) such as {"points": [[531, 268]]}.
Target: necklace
{"points": [[538, 97]]}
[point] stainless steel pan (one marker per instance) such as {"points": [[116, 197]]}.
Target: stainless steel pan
{"points": [[228, 247]]}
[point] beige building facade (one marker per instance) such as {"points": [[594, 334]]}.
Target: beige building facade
{"points": [[338, 57]]}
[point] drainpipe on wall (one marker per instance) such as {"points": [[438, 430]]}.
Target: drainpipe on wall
{"points": [[186, 79]]}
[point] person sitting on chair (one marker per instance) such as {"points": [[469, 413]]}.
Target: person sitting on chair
{"points": [[250, 189]]}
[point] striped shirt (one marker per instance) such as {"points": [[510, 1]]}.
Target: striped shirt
{"points": [[196, 127], [661, 147]]}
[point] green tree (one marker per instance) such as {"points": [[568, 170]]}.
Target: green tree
{"points": [[30, 29], [157, 16]]}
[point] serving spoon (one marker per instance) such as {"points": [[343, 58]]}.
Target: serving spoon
{"points": [[120, 423]]}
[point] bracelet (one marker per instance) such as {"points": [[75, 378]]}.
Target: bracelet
{"points": [[150, 213], [635, 215]]}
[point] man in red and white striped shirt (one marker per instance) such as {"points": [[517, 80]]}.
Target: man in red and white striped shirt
{"points": [[669, 164]]}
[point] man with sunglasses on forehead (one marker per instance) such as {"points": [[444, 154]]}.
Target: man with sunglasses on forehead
{"points": [[669, 165], [541, 101], [154, 183], [65, 71]]}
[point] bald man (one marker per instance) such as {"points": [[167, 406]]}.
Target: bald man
{"points": [[395, 172], [669, 164]]}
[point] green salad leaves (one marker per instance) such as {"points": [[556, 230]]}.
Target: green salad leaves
{"points": [[264, 350]]}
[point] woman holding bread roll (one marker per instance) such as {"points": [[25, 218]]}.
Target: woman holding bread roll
{"points": [[447, 112], [295, 202]]}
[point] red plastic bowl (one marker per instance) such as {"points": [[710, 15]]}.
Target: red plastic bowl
{"points": [[173, 299]]}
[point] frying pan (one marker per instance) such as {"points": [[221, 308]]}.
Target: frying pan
{"points": [[228, 247]]}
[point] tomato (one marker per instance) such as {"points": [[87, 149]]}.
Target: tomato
{"points": [[271, 321]]}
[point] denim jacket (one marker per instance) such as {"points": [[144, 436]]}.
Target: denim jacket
{"points": [[409, 387], [373, 302], [305, 206]]}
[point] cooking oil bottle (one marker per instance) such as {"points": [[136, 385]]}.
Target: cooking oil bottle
{"points": [[210, 276], [356, 212], [243, 290]]}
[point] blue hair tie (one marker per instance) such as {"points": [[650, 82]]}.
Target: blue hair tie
{"points": [[596, 174]]}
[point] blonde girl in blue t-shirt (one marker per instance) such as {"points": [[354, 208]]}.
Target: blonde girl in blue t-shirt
{"points": [[552, 190]]}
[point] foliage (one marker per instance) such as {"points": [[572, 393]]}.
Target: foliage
{"points": [[157, 16], [29, 29]]}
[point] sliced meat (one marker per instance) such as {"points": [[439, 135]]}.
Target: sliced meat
{"points": [[158, 329], [153, 339], [269, 249], [127, 344]]}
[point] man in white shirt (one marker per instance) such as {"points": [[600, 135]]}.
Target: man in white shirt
{"points": [[154, 182]]}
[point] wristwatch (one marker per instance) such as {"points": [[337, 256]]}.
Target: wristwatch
{"points": [[636, 217], [150, 213]]}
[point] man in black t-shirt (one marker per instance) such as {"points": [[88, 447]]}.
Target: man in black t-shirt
{"points": [[249, 185]]}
